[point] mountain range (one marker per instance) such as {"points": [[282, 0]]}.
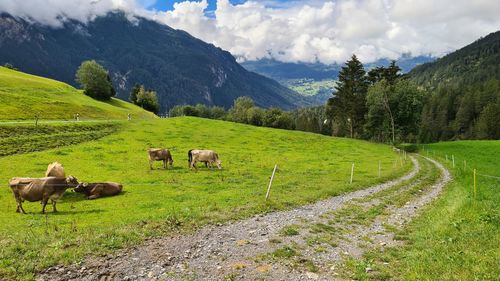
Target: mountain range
{"points": [[179, 67]]}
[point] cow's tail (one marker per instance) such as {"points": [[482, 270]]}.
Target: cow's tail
{"points": [[190, 157]]}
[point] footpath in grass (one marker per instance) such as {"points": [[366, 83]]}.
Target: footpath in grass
{"points": [[458, 236], [310, 167]]}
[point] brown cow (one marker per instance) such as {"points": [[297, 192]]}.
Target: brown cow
{"points": [[160, 154], [208, 156], [98, 189], [55, 169], [40, 189]]}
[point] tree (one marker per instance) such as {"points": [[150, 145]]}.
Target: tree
{"points": [[348, 105], [94, 80], [10, 66], [133, 93], [238, 113], [217, 112], [390, 74], [148, 100], [394, 110], [489, 122], [255, 116]]}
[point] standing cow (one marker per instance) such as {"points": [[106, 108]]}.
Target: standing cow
{"points": [[208, 156], [55, 169], [99, 189], [160, 154], [40, 189]]}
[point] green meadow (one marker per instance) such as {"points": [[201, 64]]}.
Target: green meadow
{"points": [[158, 202], [458, 236], [22, 96]]}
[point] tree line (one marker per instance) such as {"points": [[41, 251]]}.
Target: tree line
{"points": [[380, 105], [244, 110]]}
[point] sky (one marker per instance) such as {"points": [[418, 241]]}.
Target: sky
{"points": [[327, 31]]}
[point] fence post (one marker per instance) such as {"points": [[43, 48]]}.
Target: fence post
{"points": [[271, 181], [446, 157], [379, 168], [453, 160], [474, 183], [465, 165], [352, 172]]}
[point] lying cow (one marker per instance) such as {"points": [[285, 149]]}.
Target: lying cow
{"points": [[55, 169], [40, 189], [208, 156], [99, 189], [160, 154]]}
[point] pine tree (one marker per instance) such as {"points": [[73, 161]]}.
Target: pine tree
{"points": [[347, 107]]}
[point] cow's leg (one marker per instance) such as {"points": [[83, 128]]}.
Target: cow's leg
{"points": [[95, 196], [164, 163], [21, 208], [151, 164], [54, 205], [44, 203], [19, 204]]}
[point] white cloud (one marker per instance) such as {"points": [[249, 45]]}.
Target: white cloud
{"points": [[310, 30]]}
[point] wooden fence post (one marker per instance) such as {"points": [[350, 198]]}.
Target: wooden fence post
{"points": [[271, 182], [453, 160], [379, 168], [352, 172], [465, 165], [474, 183]]}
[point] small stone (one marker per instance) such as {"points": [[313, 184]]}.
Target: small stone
{"points": [[219, 267], [383, 243], [368, 269], [312, 275], [150, 274]]}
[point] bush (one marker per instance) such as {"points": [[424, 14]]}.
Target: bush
{"points": [[408, 147]]}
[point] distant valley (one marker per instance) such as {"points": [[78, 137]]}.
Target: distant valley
{"points": [[317, 80]]}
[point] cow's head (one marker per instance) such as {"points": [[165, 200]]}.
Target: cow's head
{"points": [[81, 188], [71, 181], [219, 164]]}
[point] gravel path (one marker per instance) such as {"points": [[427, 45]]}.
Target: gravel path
{"points": [[240, 250]]}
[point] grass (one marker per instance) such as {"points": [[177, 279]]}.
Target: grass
{"points": [[22, 96], [458, 236], [23, 138], [310, 167], [290, 230]]}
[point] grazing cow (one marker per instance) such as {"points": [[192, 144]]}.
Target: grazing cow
{"points": [[55, 169], [160, 154], [40, 189], [208, 156], [99, 189]]}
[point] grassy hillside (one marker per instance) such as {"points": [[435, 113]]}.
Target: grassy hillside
{"points": [[457, 237], [310, 167], [23, 95]]}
